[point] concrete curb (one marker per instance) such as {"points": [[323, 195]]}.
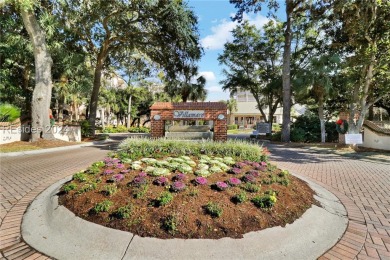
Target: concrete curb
{"points": [[55, 231]]}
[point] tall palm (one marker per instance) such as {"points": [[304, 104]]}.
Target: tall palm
{"points": [[232, 107], [198, 91]]}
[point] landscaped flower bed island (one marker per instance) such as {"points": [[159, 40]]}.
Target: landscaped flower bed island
{"points": [[166, 189]]}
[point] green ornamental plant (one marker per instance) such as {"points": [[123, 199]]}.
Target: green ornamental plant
{"points": [[213, 209], [9, 113]]}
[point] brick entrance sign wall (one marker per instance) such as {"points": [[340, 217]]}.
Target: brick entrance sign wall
{"points": [[162, 111]]}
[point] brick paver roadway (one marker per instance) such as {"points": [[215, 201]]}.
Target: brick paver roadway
{"points": [[22, 179], [362, 186]]}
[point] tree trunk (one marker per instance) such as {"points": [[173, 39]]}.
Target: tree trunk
{"points": [[129, 112], [96, 85], [321, 116], [286, 76], [25, 85], [102, 117], [40, 121], [371, 113]]}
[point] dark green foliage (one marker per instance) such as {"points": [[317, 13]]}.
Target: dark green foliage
{"points": [[123, 212], [93, 170], [239, 198], [164, 199], [250, 187], [85, 128], [109, 190], [266, 201], [87, 187], [276, 136], [307, 128], [213, 209], [140, 129], [331, 133], [170, 224], [69, 187], [80, 177], [140, 192], [103, 206]]}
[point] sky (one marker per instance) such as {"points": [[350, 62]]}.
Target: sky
{"points": [[215, 26]]}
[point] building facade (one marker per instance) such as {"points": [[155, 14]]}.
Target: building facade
{"points": [[247, 113]]}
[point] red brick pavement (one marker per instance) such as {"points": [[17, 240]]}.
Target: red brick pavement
{"points": [[362, 186], [22, 179]]}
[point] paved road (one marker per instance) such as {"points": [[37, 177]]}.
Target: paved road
{"points": [[24, 177], [363, 187]]}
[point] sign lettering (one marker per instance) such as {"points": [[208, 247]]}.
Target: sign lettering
{"points": [[188, 114]]}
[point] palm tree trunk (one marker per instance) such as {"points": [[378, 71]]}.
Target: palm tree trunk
{"points": [[321, 116], [286, 76]]}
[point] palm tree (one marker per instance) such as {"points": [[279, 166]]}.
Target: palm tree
{"points": [[198, 91], [232, 107]]}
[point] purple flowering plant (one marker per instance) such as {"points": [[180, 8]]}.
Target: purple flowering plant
{"points": [[178, 186], [263, 164], [106, 172], [161, 181], [248, 178], [235, 170], [254, 173], [240, 165], [234, 181], [117, 177], [120, 166], [125, 171], [109, 164], [256, 165], [200, 180], [138, 181], [142, 174], [220, 185], [180, 177], [116, 160], [107, 160]]}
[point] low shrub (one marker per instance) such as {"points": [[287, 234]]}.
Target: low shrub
{"points": [[164, 199], [123, 212], [103, 206], [232, 127], [239, 198], [124, 129], [87, 187], [141, 191], [170, 224], [250, 187], [307, 128], [80, 177], [109, 190], [85, 128], [265, 201], [69, 187], [140, 129], [213, 209]]}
